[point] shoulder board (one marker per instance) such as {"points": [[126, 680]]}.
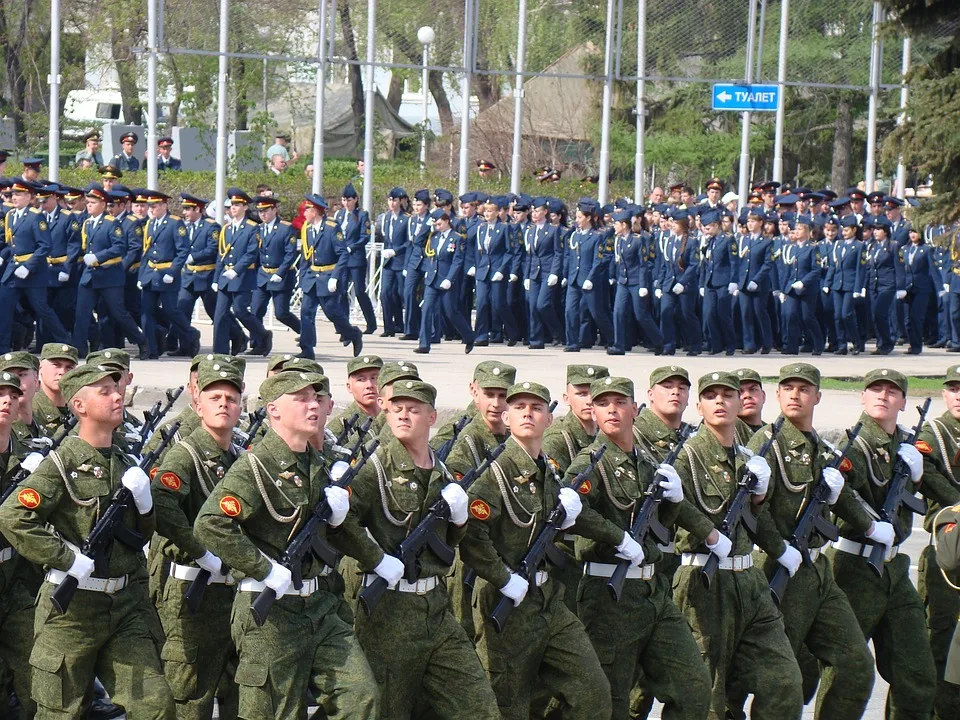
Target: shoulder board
{"points": [[66, 212], [174, 217], [211, 221], [35, 210], [110, 217], [332, 223], [251, 223], [284, 222]]}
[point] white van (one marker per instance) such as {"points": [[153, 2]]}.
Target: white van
{"points": [[96, 107]]}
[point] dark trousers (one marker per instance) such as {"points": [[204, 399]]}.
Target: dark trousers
{"points": [[916, 314], [333, 308], [412, 293], [800, 318], [882, 305], [718, 317], [754, 315], [235, 304], [391, 299], [542, 310], [35, 298], [187, 299], [153, 301], [109, 299], [281, 307], [629, 307], [63, 302], [439, 303], [494, 316], [681, 307], [358, 277], [845, 314]]}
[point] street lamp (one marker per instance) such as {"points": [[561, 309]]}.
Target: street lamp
{"points": [[426, 36]]}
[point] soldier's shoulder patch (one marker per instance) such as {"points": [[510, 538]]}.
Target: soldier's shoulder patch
{"points": [[153, 472], [251, 223], [138, 231], [846, 465], [181, 231], [43, 224], [586, 487], [923, 446], [480, 510], [75, 226], [230, 506], [34, 210], [170, 480], [118, 231], [331, 223], [949, 527], [29, 498]]}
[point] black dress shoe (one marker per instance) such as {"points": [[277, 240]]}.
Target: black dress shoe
{"points": [[658, 350], [730, 353], [371, 329], [855, 351], [238, 345], [267, 344], [817, 353], [765, 351], [409, 337], [536, 346], [511, 343], [468, 348], [144, 351], [571, 348], [481, 343], [671, 351], [914, 351], [421, 350], [614, 351], [387, 334], [749, 352], [357, 343], [556, 343], [953, 348], [693, 353], [841, 351]]}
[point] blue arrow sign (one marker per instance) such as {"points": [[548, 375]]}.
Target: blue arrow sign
{"points": [[755, 98]]}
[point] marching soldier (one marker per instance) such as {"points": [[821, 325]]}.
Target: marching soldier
{"points": [[844, 284], [752, 399], [391, 230], [49, 406], [755, 281], [26, 367], [800, 289], [886, 282], [276, 276], [354, 223], [633, 265], [363, 374], [62, 272], [418, 230], [921, 280], [543, 269], [718, 283], [587, 263], [677, 286], [495, 254]]}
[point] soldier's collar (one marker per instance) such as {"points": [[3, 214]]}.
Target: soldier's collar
{"points": [[710, 446], [401, 460], [526, 465], [274, 446]]}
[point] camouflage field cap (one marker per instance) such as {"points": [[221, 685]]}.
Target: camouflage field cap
{"points": [[114, 357], [84, 375], [723, 379], [59, 351], [529, 388], [393, 371], [748, 375], [668, 371], [800, 371], [209, 373], [585, 374], [287, 383], [20, 359], [363, 362], [8, 379], [886, 375], [494, 374], [415, 390], [617, 385], [299, 364]]}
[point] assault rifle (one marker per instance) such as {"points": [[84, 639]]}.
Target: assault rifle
{"points": [[153, 417], [444, 450], [245, 438]]}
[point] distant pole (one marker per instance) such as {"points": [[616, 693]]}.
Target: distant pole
{"points": [[54, 79], [743, 180], [369, 116], [604, 170], [781, 100], [904, 96], [639, 162], [469, 28], [152, 94], [222, 108], [518, 98], [761, 26], [870, 173], [426, 36], [317, 182]]}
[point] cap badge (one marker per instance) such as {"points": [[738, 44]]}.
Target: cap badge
{"points": [[715, 376]]}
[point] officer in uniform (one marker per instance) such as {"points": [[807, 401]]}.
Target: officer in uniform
{"points": [[948, 549], [325, 258], [495, 254], [642, 630], [543, 643], [921, 280], [418, 230], [845, 282], [104, 629], [165, 249], [885, 279], [542, 271], [718, 283], [276, 276], [391, 231], [677, 286], [132, 216], [62, 272], [588, 252], [633, 265], [198, 651], [363, 374], [800, 288], [235, 278], [246, 521], [355, 226], [165, 161], [126, 160], [756, 279], [389, 497]]}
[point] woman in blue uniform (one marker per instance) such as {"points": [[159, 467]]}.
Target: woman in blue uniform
{"points": [[633, 264], [588, 252], [678, 287], [885, 283], [921, 279]]}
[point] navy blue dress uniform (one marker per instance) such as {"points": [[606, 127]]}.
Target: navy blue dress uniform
{"points": [[542, 272], [587, 255], [166, 246], [324, 255], [885, 282], [133, 231], [442, 270], [418, 230], [235, 277], [355, 227], [495, 254], [719, 272], [844, 284], [801, 288], [122, 161], [63, 275], [25, 271], [757, 273], [391, 231], [276, 276], [922, 279], [678, 289], [633, 257], [102, 247], [167, 163]]}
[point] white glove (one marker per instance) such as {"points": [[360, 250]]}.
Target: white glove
{"points": [[752, 286], [278, 579], [339, 501], [644, 292], [526, 284], [189, 259], [513, 278], [387, 254], [791, 559], [62, 276], [630, 549], [138, 483], [497, 277], [798, 285], [515, 589], [276, 279], [946, 287], [229, 274], [732, 288], [167, 279], [213, 286], [390, 569], [82, 567], [722, 547], [761, 470], [587, 285], [881, 532], [446, 285], [332, 285], [470, 273], [456, 498], [678, 289], [826, 291], [89, 259], [405, 273], [703, 292], [563, 283], [140, 286], [552, 280], [211, 563], [31, 461], [21, 272], [571, 506], [658, 293], [670, 482], [783, 298], [856, 295], [914, 460], [942, 293], [834, 480], [901, 294]]}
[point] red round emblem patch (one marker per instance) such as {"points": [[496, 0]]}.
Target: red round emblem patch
{"points": [[480, 510], [29, 498], [230, 506], [170, 480]]}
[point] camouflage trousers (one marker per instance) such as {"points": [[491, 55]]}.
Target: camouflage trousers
{"points": [[16, 640], [303, 644], [741, 638], [421, 657], [942, 604], [103, 636], [890, 614]]}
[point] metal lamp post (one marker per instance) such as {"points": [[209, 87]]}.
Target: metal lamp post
{"points": [[426, 36]]}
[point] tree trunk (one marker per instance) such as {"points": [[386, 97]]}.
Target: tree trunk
{"points": [[413, 54], [842, 138], [487, 86], [395, 93], [121, 42], [173, 115], [240, 82], [356, 78], [13, 39]]}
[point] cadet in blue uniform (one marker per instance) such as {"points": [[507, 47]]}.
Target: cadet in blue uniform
{"points": [[102, 246], [62, 273], [921, 279], [165, 249], [276, 275], [719, 271], [542, 272], [165, 161], [324, 255], [130, 209], [25, 270], [756, 274], [588, 252], [885, 277], [632, 266], [355, 226], [418, 229], [801, 286], [845, 283], [495, 253], [126, 160], [442, 269], [391, 230], [235, 278], [678, 286]]}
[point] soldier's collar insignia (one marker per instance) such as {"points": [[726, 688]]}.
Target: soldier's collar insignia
{"points": [[520, 479], [85, 467], [286, 474], [401, 480]]}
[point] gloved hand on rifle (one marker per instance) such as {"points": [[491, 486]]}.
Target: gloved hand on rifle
{"points": [[82, 567], [721, 547], [834, 480], [516, 588], [212, 564], [136, 481], [630, 549], [670, 482], [571, 506], [390, 569], [791, 559], [761, 471], [278, 579], [881, 532], [456, 498], [914, 460], [339, 501], [31, 462]]}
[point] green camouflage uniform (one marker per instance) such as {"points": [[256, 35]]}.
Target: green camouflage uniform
{"points": [[416, 648], [335, 425], [543, 642], [948, 556], [940, 444], [445, 431], [304, 642], [47, 415]]}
